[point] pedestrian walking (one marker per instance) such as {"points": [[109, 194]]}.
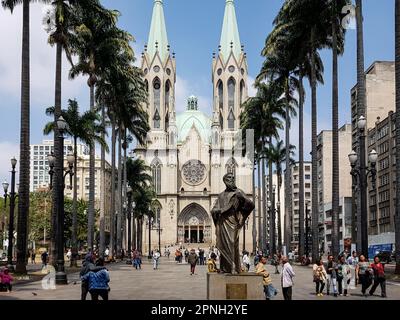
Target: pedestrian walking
{"points": [[343, 276], [287, 279], [87, 266], [291, 257], [69, 254], [44, 258], [33, 257], [261, 269], [5, 280], [246, 260], [331, 270], [276, 263], [319, 277], [364, 274], [186, 255], [352, 261], [379, 277], [192, 259], [156, 257], [98, 281]]}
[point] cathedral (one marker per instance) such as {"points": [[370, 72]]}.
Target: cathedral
{"points": [[190, 152]]}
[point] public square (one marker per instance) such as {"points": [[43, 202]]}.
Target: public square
{"points": [[173, 281]]}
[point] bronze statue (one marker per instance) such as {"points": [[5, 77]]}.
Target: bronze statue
{"points": [[229, 214]]}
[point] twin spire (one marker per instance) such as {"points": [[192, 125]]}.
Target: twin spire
{"points": [[158, 39]]}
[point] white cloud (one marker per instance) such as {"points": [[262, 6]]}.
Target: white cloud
{"points": [[42, 60], [8, 150], [250, 86]]}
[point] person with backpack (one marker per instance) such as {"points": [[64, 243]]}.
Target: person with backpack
{"points": [[343, 275], [6, 279], [379, 277], [287, 279], [44, 258], [319, 277], [246, 260]]}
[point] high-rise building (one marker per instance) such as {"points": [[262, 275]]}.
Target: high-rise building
{"points": [[39, 165], [380, 99], [295, 197], [40, 177], [382, 199], [324, 159]]}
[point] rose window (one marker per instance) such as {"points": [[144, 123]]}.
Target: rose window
{"points": [[194, 172]]}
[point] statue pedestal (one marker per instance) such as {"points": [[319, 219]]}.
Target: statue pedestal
{"points": [[244, 286]]}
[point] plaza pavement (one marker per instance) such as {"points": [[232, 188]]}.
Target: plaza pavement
{"points": [[173, 282]]}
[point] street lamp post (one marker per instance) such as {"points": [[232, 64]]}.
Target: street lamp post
{"points": [[159, 234], [269, 206], [150, 222], [61, 276], [11, 221], [360, 175], [279, 229], [307, 230], [272, 221], [5, 187]]}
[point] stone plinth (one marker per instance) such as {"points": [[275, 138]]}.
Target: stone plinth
{"points": [[244, 286]]}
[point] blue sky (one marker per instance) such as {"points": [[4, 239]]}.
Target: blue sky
{"points": [[194, 29]]}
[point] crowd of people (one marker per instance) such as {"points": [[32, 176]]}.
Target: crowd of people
{"points": [[350, 270]]}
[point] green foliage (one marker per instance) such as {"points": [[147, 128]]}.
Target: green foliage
{"points": [[82, 221], [39, 215]]}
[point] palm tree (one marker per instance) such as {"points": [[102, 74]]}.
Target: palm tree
{"points": [[24, 168], [59, 24], [95, 42], [277, 156], [86, 128], [278, 68], [137, 178], [263, 113], [397, 54]]}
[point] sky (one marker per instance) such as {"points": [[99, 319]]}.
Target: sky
{"points": [[194, 29]]}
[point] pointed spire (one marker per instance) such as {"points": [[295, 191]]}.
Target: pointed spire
{"points": [[158, 40], [230, 39]]}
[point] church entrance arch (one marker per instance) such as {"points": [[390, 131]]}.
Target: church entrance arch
{"points": [[194, 225]]}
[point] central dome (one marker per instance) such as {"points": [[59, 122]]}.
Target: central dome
{"points": [[192, 117]]}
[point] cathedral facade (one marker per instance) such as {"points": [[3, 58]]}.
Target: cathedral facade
{"points": [[190, 152]]}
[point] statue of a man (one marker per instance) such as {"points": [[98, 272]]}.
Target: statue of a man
{"points": [[230, 212]]}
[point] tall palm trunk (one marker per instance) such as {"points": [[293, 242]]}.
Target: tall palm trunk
{"points": [[24, 165], [91, 180], [255, 211], [124, 190], [361, 98], [314, 170], [397, 54], [134, 232], [120, 209], [113, 206], [264, 199], [335, 140], [288, 209], [260, 231], [59, 155], [271, 211], [301, 167], [74, 249], [102, 246]]}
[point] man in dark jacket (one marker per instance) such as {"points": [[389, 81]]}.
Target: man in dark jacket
{"points": [[192, 259], [87, 266]]}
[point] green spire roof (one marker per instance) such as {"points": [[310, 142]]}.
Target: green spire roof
{"points": [[230, 39], [158, 39]]}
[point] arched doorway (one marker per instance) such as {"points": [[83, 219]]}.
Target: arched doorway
{"points": [[194, 225]]}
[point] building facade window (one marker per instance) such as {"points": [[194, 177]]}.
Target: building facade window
{"points": [[156, 174], [157, 102]]}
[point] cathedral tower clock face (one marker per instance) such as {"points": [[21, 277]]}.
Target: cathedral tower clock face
{"points": [[194, 172]]}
